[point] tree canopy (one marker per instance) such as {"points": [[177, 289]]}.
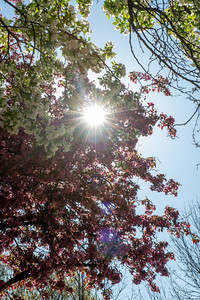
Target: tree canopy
{"points": [[168, 29], [168, 32], [68, 191]]}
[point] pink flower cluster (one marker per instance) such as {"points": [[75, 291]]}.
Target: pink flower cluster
{"points": [[159, 83], [167, 121], [15, 1]]}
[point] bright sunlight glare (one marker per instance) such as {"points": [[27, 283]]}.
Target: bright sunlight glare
{"points": [[94, 115]]}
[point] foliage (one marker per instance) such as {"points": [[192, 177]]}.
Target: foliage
{"points": [[76, 283], [169, 30], [170, 33], [68, 196], [32, 74], [77, 210], [41, 30]]}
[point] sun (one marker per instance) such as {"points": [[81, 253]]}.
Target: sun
{"points": [[95, 115]]}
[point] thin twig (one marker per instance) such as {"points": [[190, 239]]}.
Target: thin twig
{"points": [[186, 122]]}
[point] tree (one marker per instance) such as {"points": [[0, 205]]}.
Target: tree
{"points": [[68, 198], [41, 28], [77, 284], [184, 281], [188, 258], [76, 210], [169, 31]]}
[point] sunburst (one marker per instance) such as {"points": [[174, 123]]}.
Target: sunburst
{"points": [[95, 115]]}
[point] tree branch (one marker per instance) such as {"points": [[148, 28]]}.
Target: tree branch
{"points": [[186, 122], [21, 276]]}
